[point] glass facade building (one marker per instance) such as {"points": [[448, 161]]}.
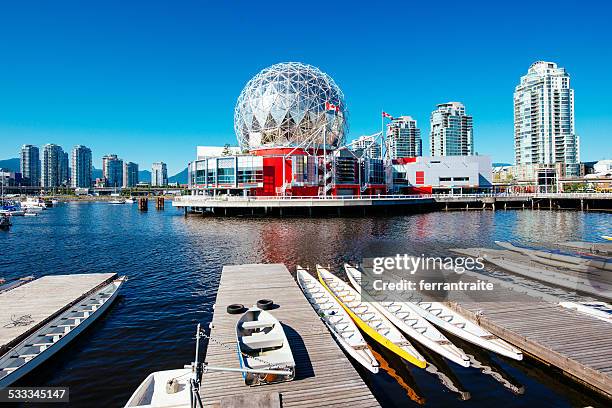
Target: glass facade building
{"points": [[81, 167], [159, 174], [30, 165], [54, 167], [112, 170], [403, 138], [544, 131], [130, 174], [451, 131]]}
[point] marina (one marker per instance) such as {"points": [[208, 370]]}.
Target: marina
{"points": [[158, 311]]}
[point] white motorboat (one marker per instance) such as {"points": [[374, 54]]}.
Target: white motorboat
{"points": [[31, 214], [337, 320], [407, 319], [262, 344], [130, 200], [179, 388], [369, 319], [33, 204], [449, 320], [49, 339], [116, 202]]}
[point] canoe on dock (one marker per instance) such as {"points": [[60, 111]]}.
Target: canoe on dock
{"points": [[447, 319], [369, 319], [337, 320], [404, 316], [51, 337]]}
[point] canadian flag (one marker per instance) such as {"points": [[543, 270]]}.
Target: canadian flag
{"points": [[386, 115], [331, 106]]}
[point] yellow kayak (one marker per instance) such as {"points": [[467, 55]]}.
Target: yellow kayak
{"points": [[607, 237], [369, 319]]}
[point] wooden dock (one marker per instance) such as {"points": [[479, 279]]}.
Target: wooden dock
{"points": [[324, 375], [29, 306], [577, 344]]}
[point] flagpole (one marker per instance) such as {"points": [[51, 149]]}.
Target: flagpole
{"points": [[382, 133]]}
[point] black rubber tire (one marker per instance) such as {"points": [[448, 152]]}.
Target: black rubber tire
{"points": [[235, 308], [265, 304]]}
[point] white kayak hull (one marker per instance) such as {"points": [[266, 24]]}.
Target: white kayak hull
{"points": [[337, 321]]}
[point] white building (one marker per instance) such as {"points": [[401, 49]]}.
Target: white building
{"points": [[159, 175], [441, 173], [368, 146], [544, 131], [451, 131], [30, 165], [81, 167], [403, 138], [53, 166]]}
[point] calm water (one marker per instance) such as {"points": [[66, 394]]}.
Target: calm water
{"points": [[174, 263]]}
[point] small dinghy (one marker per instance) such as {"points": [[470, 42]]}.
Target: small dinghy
{"points": [[263, 345], [405, 316], [337, 320], [369, 319]]}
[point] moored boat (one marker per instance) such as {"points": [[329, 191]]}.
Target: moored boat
{"points": [[369, 319], [116, 202], [5, 222], [447, 319], [50, 338], [263, 345], [405, 316], [337, 320]]}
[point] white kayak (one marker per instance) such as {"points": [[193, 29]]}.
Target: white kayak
{"points": [[263, 345], [447, 319], [337, 320], [405, 316], [369, 319]]}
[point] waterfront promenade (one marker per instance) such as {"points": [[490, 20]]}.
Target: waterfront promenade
{"points": [[324, 375], [311, 205]]}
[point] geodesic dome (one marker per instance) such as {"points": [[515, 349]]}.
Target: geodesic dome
{"points": [[284, 105]]}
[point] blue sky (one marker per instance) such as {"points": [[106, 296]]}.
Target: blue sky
{"points": [[150, 80]]}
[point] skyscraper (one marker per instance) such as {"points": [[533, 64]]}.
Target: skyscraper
{"points": [[159, 174], [52, 166], [64, 169], [130, 174], [403, 138], [451, 131], [368, 145], [112, 170], [30, 165], [81, 167], [544, 130]]}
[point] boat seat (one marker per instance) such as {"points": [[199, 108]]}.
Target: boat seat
{"points": [[251, 325], [262, 341]]}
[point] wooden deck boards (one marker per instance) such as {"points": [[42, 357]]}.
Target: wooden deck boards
{"points": [[324, 375], [41, 299], [576, 343]]}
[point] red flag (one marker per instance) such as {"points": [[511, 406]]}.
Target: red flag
{"points": [[331, 106], [386, 115]]}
